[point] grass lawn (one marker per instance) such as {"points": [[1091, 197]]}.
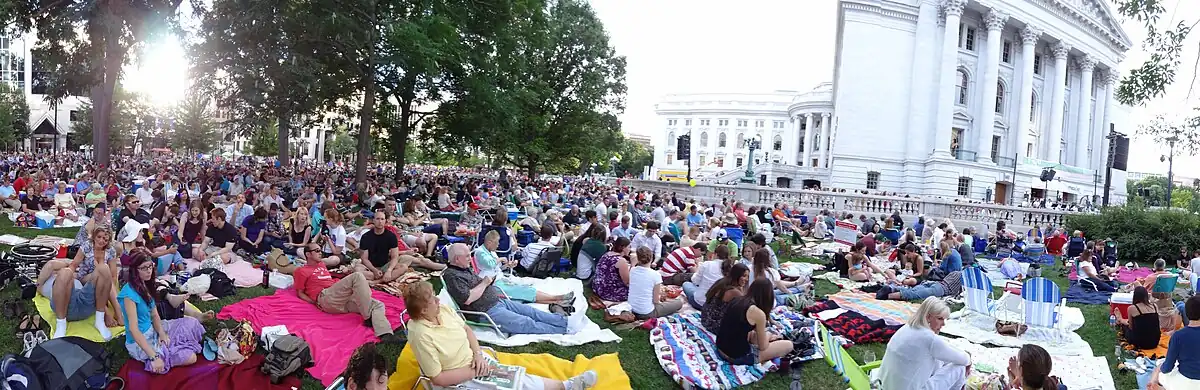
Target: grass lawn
{"points": [[636, 356]]}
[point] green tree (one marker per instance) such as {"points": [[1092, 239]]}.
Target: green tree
{"points": [[195, 130], [1164, 42], [341, 144], [1182, 198], [14, 115], [131, 122], [634, 158], [263, 141], [83, 44]]}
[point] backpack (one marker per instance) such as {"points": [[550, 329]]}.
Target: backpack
{"points": [[287, 355], [70, 363], [220, 285]]}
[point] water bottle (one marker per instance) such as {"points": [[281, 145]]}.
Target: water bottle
{"points": [[1112, 321]]}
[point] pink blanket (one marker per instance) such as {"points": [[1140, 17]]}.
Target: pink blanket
{"points": [[332, 337], [243, 273], [1124, 275]]}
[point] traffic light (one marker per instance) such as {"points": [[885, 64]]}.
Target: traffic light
{"points": [[683, 147]]}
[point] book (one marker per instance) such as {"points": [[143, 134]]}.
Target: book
{"points": [[503, 377]]}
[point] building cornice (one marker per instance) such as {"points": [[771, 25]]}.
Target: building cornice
{"points": [[1073, 10], [887, 9]]}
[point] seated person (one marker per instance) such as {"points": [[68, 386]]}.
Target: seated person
{"points": [[1011, 268], [1030, 369], [951, 260], [84, 286], [717, 299], [447, 350], [252, 232], [1184, 264], [949, 286], [646, 297], [352, 294], [1087, 269], [648, 239], [384, 256], [532, 252], [366, 370], [1181, 367], [679, 265], [172, 343], [1035, 249], [743, 338], [473, 293], [219, 238], [1140, 326], [64, 203], [1160, 269], [611, 281], [916, 358], [861, 266], [487, 264], [761, 241], [763, 270], [707, 274]]}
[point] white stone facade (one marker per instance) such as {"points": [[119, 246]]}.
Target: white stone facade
{"points": [[1018, 84]]}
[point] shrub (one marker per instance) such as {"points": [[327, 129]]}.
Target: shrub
{"points": [[1141, 234]]}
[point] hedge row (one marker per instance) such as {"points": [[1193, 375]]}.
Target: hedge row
{"points": [[1142, 234]]}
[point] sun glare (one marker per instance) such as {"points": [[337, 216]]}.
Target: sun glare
{"points": [[161, 73]]}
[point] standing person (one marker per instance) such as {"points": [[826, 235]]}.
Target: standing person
{"points": [[917, 359], [352, 294], [646, 297], [743, 338], [173, 343]]}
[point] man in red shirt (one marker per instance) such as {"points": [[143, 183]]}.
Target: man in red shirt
{"points": [[351, 294], [680, 264], [21, 182]]}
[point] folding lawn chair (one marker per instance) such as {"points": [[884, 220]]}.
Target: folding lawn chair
{"points": [[1043, 303], [977, 287], [856, 376], [483, 319], [736, 235], [1164, 286]]}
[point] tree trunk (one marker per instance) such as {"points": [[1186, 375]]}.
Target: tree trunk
{"points": [[364, 127], [114, 56], [398, 138], [284, 134]]}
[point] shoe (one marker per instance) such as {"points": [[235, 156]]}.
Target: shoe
{"points": [[583, 381], [568, 299], [883, 292], [559, 309]]}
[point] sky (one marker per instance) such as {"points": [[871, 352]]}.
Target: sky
{"points": [[691, 46]]}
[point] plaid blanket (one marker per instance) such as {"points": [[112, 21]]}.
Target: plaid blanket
{"points": [[853, 325], [688, 352], [891, 312]]}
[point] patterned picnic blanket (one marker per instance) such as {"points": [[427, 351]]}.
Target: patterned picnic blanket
{"points": [[847, 284], [1077, 372], [891, 312], [851, 325], [688, 352]]}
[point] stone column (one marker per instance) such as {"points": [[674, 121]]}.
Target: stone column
{"points": [[825, 142], [953, 10], [987, 115], [808, 140], [1110, 85], [1054, 137], [1087, 64], [1029, 39]]}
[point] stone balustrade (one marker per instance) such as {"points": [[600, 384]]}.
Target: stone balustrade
{"points": [[979, 215]]}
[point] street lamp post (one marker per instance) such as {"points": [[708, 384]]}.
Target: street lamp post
{"points": [[1170, 158], [752, 144]]}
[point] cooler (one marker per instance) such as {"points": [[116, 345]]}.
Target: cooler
{"points": [[1119, 303]]}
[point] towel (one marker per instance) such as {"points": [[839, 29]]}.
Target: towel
{"points": [[848, 284], [608, 368], [1158, 352], [83, 328], [332, 337], [1126, 275], [1078, 294], [981, 329], [891, 312], [205, 375]]}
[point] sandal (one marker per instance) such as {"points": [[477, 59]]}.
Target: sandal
{"points": [[29, 323], [29, 341]]}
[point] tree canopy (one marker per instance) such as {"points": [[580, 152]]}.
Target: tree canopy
{"points": [[14, 115], [195, 130]]}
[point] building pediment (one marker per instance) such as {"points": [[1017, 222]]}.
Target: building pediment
{"points": [[1096, 14], [962, 115]]}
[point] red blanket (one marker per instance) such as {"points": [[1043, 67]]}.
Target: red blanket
{"points": [[332, 337], [204, 375]]}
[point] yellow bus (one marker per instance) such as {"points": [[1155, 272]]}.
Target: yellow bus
{"points": [[676, 176]]}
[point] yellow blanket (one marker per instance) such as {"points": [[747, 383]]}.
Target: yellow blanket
{"points": [[607, 367], [82, 328]]}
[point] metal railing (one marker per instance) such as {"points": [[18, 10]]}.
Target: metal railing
{"points": [[966, 155], [1007, 162]]}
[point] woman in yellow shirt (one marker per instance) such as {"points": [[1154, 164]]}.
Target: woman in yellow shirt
{"points": [[448, 352]]}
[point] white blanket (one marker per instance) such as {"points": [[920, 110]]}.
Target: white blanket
{"points": [[582, 329], [981, 329], [992, 267], [1077, 372]]}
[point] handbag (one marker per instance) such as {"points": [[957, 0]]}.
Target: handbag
{"points": [[1013, 329]]}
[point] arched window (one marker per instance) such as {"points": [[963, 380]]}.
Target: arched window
{"points": [[963, 83], [999, 97], [778, 143], [1033, 108], [671, 139], [721, 140], [704, 140], [740, 141], [816, 141]]}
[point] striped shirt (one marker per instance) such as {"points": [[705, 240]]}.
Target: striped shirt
{"points": [[679, 260]]}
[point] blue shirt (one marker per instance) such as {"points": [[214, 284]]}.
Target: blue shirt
{"points": [[627, 232], [695, 219], [253, 227], [7, 191], [143, 309], [953, 262], [1182, 351], [82, 186]]}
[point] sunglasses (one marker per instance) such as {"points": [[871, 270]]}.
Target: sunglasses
{"points": [[145, 267]]}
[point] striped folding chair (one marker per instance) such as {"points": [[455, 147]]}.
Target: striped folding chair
{"points": [[476, 319], [1043, 303], [978, 291]]}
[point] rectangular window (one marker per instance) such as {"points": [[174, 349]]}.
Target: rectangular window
{"points": [[966, 37], [1037, 63], [687, 122], [777, 125], [759, 123], [964, 186], [872, 180], [738, 161], [701, 160], [672, 122], [1029, 150], [1006, 52], [723, 122], [704, 122], [670, 158], [74, 115], [742, 122], [995, 147]]}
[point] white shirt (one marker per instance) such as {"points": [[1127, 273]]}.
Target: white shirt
{"points": [[642, 281], [145, 194], [912, 357], [532, 252], [707, 274], [644, 240], [338, 233]]}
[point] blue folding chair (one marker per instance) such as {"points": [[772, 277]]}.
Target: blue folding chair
{"points": [[1043, 303], [978, 291], [736, 235], [1165, 284]]}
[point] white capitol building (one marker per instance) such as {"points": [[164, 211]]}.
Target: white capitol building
{"points": [[929, 98]]}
